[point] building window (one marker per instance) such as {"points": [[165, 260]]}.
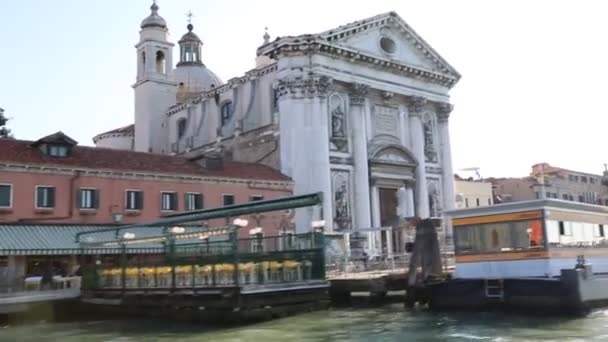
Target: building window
{"points": [[583, 179], [288, 240], [571, 198], [256, 198], [168, 201], [466, 202], [181, 128], [228, 199], [275, 100], [88, 199], [58, 151], [581, 198], [591, 180], [599, 231], [226, 113], [477, 201], [6, 195], [537, 195], [45, 197], [160, 62], [194, 201], [489, 201], [134, 200], [565, 196], [257, 242], [565, 229]]}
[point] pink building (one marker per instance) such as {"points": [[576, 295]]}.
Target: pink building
{"points": [[53, 182]]}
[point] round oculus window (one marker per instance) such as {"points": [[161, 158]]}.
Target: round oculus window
{"points": [[388, 45]]}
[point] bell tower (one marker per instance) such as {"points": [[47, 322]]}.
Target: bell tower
{"points": [[154, 87]]}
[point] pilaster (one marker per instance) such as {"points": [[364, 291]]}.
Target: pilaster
{"points": [[443, 114], [304, 141], [361, 172], [415, 108]]}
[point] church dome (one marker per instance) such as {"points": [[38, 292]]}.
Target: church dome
{"points": [[154, 20], [196, 78], [191, 73]]}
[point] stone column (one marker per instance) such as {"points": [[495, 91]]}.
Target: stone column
{"points": [[415, 106], [362, 209], [304, 139], [409, 191], [375, 236], [443, 114]]}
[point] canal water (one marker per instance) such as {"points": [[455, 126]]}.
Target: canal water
{"points": [[386, 323]]}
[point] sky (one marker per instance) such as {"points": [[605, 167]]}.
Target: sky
{"points": [[533, 72]]}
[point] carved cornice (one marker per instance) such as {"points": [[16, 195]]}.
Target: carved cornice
{"points": [[416, 104], [310, 44], [300, 87], [358, 93], [443, 111]]}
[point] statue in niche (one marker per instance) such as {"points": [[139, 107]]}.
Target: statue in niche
{"points": [[434, 202], [341, 211], [337, 123], [429, 148], [338, 129]]}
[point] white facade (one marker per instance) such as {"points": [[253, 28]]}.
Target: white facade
{"points": [[359, 113]]}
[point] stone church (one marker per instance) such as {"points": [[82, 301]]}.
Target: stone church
{"points": [[359, 112]]}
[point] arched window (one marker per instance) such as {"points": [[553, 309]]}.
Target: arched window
{"points": [[226, 112], [181, 128], [143, 59], [160, 62]]}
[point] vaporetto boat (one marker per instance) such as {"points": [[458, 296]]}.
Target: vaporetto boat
{"points": [[545, 254]]}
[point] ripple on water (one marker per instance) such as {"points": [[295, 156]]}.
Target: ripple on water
{"points": [[388, 323]]}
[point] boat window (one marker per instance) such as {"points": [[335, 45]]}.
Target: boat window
{"points": [[499, 237]]}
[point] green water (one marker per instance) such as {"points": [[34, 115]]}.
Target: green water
{"points": [[387, 323]]}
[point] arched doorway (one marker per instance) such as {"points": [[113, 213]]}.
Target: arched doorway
{"points": [[392, 175]]}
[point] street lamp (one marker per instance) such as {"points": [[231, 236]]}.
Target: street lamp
{"points": [[240, 222], [177, 230], [318, 225]]}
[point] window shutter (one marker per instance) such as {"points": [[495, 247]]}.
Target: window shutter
{"points": [[198, 201], [79, 199], [51, 197], [186, 204], [173, 201], [95, 199], [140, 200], [39, 197]]}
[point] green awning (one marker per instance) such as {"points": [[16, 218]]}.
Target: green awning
{"points": [[28, 239]]}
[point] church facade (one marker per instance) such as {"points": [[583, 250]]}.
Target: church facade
{"points": [[359, 112]]}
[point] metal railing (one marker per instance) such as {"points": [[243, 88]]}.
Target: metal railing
{"points": [[233, 262]]}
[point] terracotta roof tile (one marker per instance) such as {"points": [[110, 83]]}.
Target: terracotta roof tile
{"points": [[22, 152]]}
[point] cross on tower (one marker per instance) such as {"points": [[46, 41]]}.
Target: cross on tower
{"points": [[189, 15]]}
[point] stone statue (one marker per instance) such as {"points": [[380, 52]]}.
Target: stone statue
{"points": [[342, 216], [337, 123], [434, 203]]}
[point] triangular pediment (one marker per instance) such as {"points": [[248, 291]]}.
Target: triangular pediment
{"points": [[387, 36]]}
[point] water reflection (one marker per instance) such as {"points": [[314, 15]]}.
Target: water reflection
{"points": [[388, 323]]}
